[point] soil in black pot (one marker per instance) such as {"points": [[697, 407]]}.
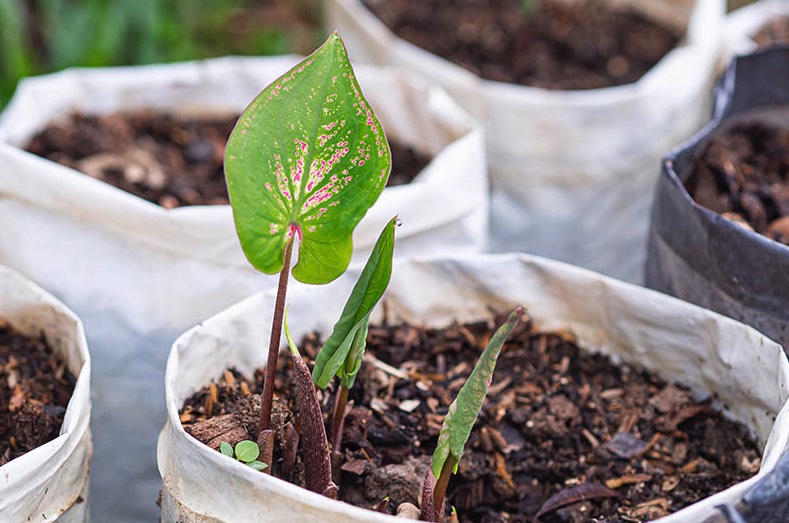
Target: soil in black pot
{"points": [[774, 32], [615, 442], [35, 388], [171, 161], [743, 174], [541, 43]]}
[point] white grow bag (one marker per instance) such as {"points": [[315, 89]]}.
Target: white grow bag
{"points": [[139, 275], [572, 172], [743, 23], [49, 483], [715, 356]]}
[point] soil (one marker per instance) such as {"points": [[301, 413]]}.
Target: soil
{"points": [[774, 32], [541, 43], [563, 434], [35, 388], [743, 174], [164, 159]]}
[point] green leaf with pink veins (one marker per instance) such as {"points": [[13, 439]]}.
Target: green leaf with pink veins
{"points": [[307, 158]]}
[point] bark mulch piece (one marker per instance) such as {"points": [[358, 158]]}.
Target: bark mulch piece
{"points": [[553, 45], [563, 433], [743, 174], [774, 32], [35, 388], [168, 160]]}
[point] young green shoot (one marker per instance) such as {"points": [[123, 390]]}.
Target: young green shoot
{"points": [[246, 452], [305, 162], [343, 351], [461, 417]]}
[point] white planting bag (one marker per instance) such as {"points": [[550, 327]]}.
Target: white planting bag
{"points": [[743, 370], [743, 23], [572, 172], [49, 483], [139, 274]]}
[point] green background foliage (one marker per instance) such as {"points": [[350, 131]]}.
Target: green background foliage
{"points": [[39, 36]]}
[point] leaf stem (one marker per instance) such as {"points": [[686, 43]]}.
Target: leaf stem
{"points": [[266, 399], [339, 413], [440, 490]]}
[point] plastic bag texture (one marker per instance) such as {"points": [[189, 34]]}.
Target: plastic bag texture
{"points": [[49, 483], [139, 275], [572, 172], [743, 370], [700, 256]]}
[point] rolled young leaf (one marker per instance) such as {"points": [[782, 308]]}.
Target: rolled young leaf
{"points": [[317, 456], [307, 158], [350, 332], [464, 410]]}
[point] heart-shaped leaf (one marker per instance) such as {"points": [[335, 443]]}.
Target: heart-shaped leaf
{"points": [[307, 158]]}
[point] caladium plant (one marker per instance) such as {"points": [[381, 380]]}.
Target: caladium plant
{"points": [[460, 420], [305, 162], [342, 353]]}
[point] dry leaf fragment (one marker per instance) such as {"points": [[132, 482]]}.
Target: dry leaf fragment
{"points": [[625, 445], [409, 405], [575, 494]]}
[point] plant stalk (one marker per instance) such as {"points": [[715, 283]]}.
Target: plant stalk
{"points": [[439, 493], [339, 414], [266, 399]]}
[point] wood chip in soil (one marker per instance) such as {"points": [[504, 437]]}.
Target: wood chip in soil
{"points": [[553, 46], [168, 160], [35, 388], [564, 434], [743, 174]]}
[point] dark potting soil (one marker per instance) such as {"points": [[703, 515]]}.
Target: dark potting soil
{"points": [[774, 32], [743, 174], [164, 159], [614, 443], [35, 388], [553, 46]]}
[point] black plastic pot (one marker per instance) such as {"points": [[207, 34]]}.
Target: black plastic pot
{"points": [[702, 257]]}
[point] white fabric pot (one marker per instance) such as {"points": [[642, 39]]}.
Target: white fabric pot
{"points": [[572, 172], [49, 483], [139, 274], [743, 23], [745, 372]]}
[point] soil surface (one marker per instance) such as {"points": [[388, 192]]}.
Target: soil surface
{"points": [[743, 174], [164, 159], [563, 434], [35, 389], [541, 43], [774, 32]]}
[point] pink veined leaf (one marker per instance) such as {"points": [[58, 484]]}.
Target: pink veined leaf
{"points": [[305, 161]]}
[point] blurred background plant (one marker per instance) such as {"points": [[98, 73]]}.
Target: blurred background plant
{"points": [[39, 36]]}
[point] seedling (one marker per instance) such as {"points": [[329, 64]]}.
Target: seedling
{"points": [[305, 161], [246, 452], [343, 351], [460, 420]]}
